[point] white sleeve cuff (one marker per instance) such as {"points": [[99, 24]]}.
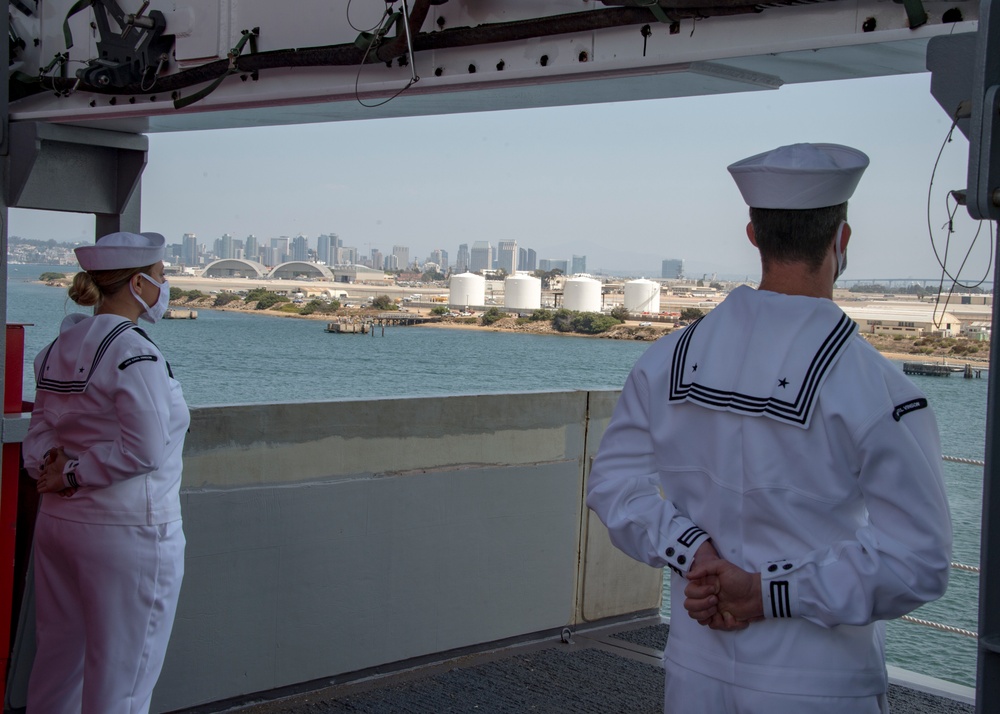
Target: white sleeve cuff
{"points": [[680, 552], [779, 590], [69, 474]]}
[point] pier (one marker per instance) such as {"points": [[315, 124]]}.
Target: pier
{"points": [[402, 318], [348, 327], [931, 369]]}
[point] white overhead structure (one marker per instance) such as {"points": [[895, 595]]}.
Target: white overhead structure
{"points": [[128, 62]]}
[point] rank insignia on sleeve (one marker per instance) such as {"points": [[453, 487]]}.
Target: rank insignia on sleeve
{"points": [[901, 410], [137, 358]]}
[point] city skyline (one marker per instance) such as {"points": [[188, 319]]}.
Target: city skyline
{"points": [[627, 184]]}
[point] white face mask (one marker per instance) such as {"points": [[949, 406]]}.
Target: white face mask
{"points": [[154, 313], [841, 254]]}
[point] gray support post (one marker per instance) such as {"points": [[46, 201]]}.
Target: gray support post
{"points": [[983, 197], [988, 669], [4, 150], [127, 220]]}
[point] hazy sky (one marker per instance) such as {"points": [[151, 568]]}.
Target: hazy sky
{"points": [[625, 184]]}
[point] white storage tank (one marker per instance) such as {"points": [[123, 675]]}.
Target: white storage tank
{"points": [[522, 292], [582, 294], [467, 289], [642, 296]]}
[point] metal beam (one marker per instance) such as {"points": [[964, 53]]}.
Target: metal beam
{"points": [[984, 179], [66, 168]]}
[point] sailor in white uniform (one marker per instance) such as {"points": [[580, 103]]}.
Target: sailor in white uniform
{"points": [[785, 472], [105, 444]]}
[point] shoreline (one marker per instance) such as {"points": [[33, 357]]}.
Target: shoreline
{"points": [[630, 330]]}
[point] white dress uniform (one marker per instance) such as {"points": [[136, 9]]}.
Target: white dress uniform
{"points": [[772, 427], [109, 559]]}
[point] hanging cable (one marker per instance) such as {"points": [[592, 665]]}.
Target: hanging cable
{"points": [[949, 227]]}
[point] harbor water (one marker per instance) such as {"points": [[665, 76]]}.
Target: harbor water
{"points": [[237, 358]]}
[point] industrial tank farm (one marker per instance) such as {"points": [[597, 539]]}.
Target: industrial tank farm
{"points": [[467, 289], [582, 294], [642, 296], [522, 292]]}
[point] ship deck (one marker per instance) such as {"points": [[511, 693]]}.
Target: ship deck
{"points": [[606, 669]]}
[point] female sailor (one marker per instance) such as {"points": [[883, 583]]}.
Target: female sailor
{"points": [[105, 442]]}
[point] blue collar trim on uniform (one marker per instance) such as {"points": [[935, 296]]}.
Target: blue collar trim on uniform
{"points": [[80, 386], [795, 412]]}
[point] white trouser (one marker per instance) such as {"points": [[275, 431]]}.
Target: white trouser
{"points": [[105, 602], [688, 692]]}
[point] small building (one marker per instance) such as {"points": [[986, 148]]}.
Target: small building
{"points": [[908, 321], [977, 331]]}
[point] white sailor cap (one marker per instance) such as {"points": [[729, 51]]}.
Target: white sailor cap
{"points": [[800, 176], [122, 250]]}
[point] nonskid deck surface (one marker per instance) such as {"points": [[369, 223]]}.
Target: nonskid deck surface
{"points": [[601, 672]]}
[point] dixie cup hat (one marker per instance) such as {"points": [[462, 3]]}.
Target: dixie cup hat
{"points": [[122, 250], [800, 176]]}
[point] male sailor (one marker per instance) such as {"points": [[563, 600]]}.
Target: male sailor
{"points": [[787, 473]]}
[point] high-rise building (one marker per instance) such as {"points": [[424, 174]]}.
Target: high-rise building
{"points": [[481, 256], [300, 247], [507, 256], [462, 261], [548, 264], [347, 255], [377, 259], [527, 259], [579, 264], [251, 250], [326, 248], [391, 262], [441, 258], [224, 247], [189, 250], [280, 246], [402, 254], [672, 268]]}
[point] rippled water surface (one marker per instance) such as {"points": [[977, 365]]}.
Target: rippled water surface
{"points": [[236, 358]]}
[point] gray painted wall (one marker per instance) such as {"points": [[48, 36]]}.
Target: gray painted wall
{"points": [[326, 538]]}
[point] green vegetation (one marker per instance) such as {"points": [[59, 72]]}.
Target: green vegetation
{"points": [[46, 277], [491, 316], [255, 295], [439, 310], [269, 299], [593, 323], [619, 313], [691, 313], [918, 290], [587, 323], [541, 315], [384, 302], [546, 276], [176, 294], [323, 308], [223, 299]]}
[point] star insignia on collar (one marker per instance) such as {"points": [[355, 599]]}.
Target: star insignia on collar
{"points": [[783, 382], [694, 367], [81, 370]]}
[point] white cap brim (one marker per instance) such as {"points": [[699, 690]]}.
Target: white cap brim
{"points": [[122, 250], [800, 176]]}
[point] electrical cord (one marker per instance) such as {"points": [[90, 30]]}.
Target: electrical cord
{"points": [[949, 225]]}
